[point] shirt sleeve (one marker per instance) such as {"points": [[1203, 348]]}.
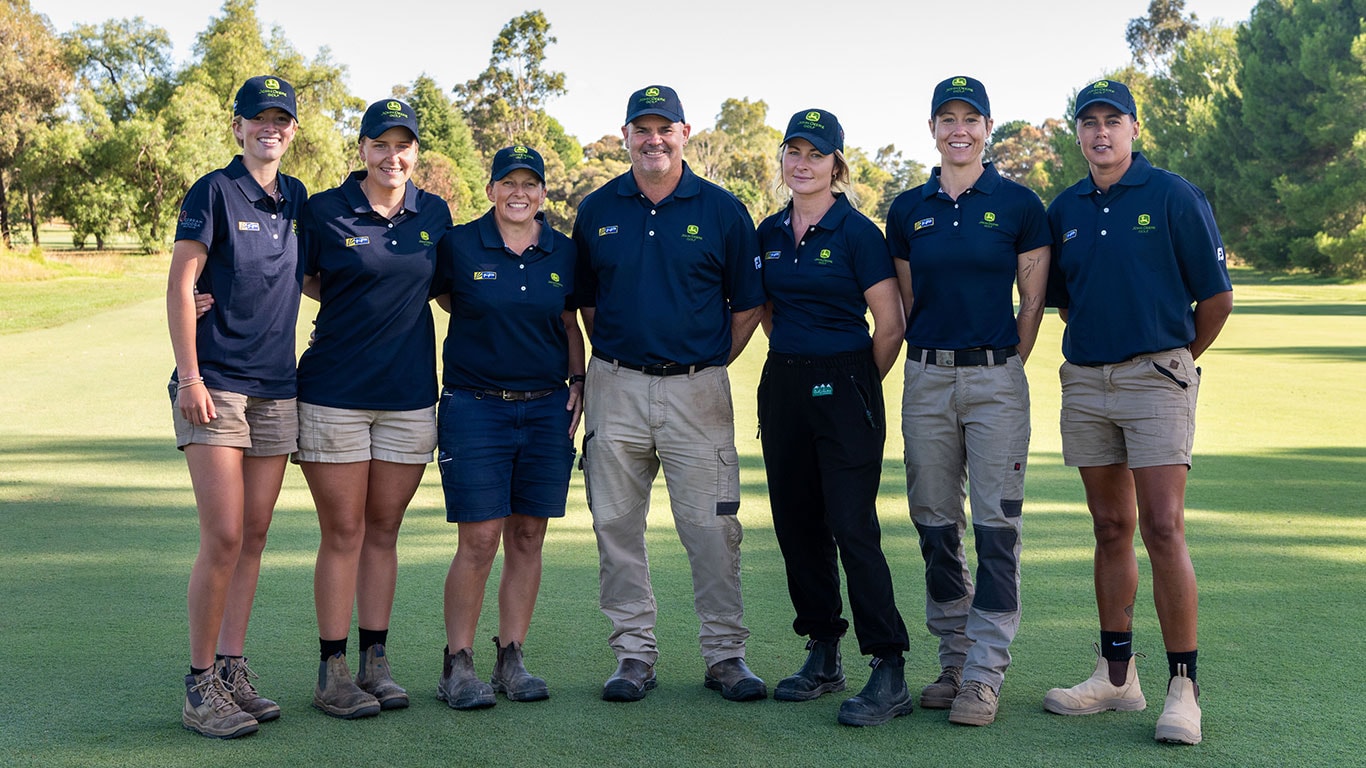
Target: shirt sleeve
{"points": [[897, 244], [872, 258], [1198, 245], [585, 279], [743, 283], [1056, 294], [1034, 232], [196, 221]]}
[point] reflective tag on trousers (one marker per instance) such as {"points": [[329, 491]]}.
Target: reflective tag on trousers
{"points": [[823, 390]]}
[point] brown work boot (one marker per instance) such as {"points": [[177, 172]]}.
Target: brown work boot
{"points": [[630, 682], [1180, 720], [459, 687], [338, 695], [1097, 693], [734, 680], [975, 704], [209, 709], [940, 693], [511, 678], [374, 679], [238, 676]]}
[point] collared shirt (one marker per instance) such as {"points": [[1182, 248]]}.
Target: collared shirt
{"points": [[506, 329], [245, 344], [964, 255], [374, 346], [817, 283], [665, 278], [1129, 263]]}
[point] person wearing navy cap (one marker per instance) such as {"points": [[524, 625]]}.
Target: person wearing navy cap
{"points": [[822, 419], [506, 419], [367, 395], [233, 390], [1140, 279], [670, 292], [964, 242]]}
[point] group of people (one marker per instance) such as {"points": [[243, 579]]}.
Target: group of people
{"points": [[670, 279]]}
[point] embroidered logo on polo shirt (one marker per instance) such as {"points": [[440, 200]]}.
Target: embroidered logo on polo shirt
{"points": [[352, 242], [823, 258], [486, 275], [555, 280], [188, 223], [1219, 254], [1068, 235], [424, 237], [692, 233], [248, 226], [922, 224], [771, 255], [612, 230], [989, 220], [1145, 224], [823, 390], [758, 263]]}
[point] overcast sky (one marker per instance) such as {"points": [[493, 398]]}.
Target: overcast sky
{"points": [[871, 62]]}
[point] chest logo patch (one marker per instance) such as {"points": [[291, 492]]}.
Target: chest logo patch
{"points": [[424, 237], [555, 280], [923, 224], [772, 255], [352, 242], [823, 258], [603, 231], [1068, 235], [486, 275], [1145, 224], [989, 220], [692, 233], [823, 390], [248, 226]]}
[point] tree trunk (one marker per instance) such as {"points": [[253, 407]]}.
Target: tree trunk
{"points": [[33, 215], [4, 214]]}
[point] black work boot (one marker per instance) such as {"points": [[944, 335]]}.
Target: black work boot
{"points": [[883, 698], [511, 678], [821, 674]]}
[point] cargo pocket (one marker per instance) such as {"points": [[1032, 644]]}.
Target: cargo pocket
{"points": [[727, 481]]}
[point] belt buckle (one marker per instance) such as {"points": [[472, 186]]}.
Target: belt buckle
{"points": [[943, 357], [507, 396]]}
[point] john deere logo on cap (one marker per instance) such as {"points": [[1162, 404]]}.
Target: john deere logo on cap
{"points": [[813, 117], [652, 92], [394, 106], [272, 84], [1100, 85], [1144, 220], [519, 150], [960, 81]]}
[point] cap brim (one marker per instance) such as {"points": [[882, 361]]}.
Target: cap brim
{"points": [[514, 167], [378, 129], [672, 117], [822, 145], [934, 110], [1125, 108]]}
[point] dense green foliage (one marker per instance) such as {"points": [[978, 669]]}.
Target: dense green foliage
{"points": [[101, 132]]}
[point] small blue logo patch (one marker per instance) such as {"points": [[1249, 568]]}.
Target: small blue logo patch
{"points": [[771, 255], [823, 390], [354, 241], [248, 226], [612, 230], [1068, 235], [485, 275], [922, 224]]}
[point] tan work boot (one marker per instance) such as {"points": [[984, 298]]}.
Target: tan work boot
{"points": [[209, 709], [338, 695], [511, 678], [975, 704], [1180, 720], [374, 679], [941, 693], [238, 677], [1097, 693]]}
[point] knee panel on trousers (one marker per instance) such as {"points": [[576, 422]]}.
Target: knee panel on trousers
{"points": [[997, 586], [939, 545]]}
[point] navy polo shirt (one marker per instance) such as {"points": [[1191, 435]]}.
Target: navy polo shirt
{"points": [[1129, 263], [374, 347], [245, 343], [665, 278], [817, 284], [964, 255], [506, 329]]}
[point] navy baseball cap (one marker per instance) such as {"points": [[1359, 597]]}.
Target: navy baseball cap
{"points": [[510, 159], [261, 93], [655, 100], [383, 115], [822, 129], [961, 88], [1111, 92]]}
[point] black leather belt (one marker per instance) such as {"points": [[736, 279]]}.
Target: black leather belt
{"points": [[505, 394], [656, 369], [956, 358]]}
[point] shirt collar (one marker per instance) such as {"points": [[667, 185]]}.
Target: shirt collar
{"points": [[832, 219], [987, 183], [492, 239], [237, 171], [688, 185], [1139, 170], [355, 196]]}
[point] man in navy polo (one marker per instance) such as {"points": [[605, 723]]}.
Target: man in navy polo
{"points": [[1139, 277], [670, 291]]}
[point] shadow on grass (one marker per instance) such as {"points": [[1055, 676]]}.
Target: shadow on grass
{"points": [[1305, 309]]}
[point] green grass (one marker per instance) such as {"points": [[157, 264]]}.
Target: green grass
{"points": [[97, 533]]}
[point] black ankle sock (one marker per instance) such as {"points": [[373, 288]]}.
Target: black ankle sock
{"points": [[1116, 646], [1187, 658], [196, 671], [329, 648], [369, 637]]}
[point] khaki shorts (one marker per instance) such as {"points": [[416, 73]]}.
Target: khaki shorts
{"points": [[1140, 411], [347, 435], [259, 426]]}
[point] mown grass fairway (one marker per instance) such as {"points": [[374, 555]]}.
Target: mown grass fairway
{"points": [[97, 533]]}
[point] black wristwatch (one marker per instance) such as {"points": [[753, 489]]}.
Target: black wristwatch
{"points": [[576, 378]]}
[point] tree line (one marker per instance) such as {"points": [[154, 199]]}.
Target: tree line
{"points": [[99, 129]]}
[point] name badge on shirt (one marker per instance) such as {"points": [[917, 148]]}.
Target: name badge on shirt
{"points": [[612, 230], [248, 226], [771, 255], [485, 275], [1068, 235], [351, 242], [922, 224]]}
